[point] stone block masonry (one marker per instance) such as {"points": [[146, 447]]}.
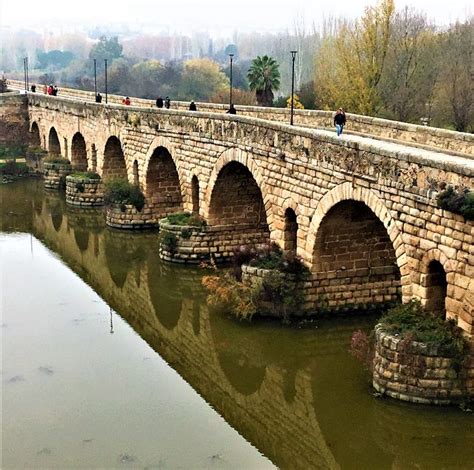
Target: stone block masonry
{"points": [[419, 373], [237, 170], [84, 192]]}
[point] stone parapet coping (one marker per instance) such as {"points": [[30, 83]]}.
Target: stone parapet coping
{"points": [[436, 159]]}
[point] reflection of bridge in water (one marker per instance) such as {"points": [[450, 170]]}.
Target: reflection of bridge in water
{"points": [[286, 391]]}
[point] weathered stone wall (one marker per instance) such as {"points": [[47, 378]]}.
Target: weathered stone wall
{"points": [[162, 185], [218, 243], [13, 119], [309, 171], [55, 174], [423, 136], [418, 373], [129, 218], [84, 192]]}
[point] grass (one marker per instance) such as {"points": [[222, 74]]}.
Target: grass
{"points": [[87, 175], [11, 168], [185, 218], [412, 321], [460, 202]]}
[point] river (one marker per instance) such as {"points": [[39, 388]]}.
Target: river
{"points": [[111, 359]]}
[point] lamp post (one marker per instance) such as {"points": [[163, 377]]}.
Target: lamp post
{"points": [[293, 57], [106, 92], [24, 73], [95, 79], [231, 61]]}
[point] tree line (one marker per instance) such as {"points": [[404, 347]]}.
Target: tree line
{"points": [[388, 63]]}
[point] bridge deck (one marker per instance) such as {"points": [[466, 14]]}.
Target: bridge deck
{"points": [[356, 136]]}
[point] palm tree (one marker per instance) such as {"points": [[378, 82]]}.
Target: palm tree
{"points": [[264, 77]]}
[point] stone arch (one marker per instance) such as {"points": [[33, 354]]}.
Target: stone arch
{"points": [[54, 147], [344, 192], [290, 234], [163, 189], [136, 177], [373, 264], [113, 165], [79, 152], [35, 135], [435, 269], [195, 194], [246, 160]]}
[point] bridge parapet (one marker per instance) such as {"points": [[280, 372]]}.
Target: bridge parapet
{"points": [[411, 134]]}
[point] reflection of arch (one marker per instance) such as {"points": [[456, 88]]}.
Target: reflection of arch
{"points": [[114, 165], [243, 375], [345, 192], [78, 152], [54, 147], [82, 238], [195, 194], [246, 160], [167, 305], [290, 238], [35, 136], [163, 189], [236, 198], [56, 215], [117, 257]]}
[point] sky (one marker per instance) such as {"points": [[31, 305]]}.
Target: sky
{"points": [[219, 16]]}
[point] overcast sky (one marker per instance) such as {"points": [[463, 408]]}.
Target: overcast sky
{"points": [[198, 15]]}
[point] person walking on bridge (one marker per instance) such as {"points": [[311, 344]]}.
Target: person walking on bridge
{"points": [[340, 121], [159, 102], [126, 101], [167, 102], [192, 106], [98, 98]]}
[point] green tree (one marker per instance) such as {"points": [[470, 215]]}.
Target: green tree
{"points": [[350, 66], [106, 49], [455, 91], [201, 79], [264, 77]]}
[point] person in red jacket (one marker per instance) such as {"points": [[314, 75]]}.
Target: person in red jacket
{"points": [[126, 101]]}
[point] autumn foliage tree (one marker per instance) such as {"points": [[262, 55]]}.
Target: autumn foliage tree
{"points": [[350, 65]]}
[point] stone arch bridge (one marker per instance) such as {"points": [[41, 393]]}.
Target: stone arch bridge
{"points": [[360, 211]]}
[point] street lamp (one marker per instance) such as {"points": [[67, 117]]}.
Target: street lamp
{"points": [[25, 69], [231, 61], [106, 92], [293, 57], [95, 79]]}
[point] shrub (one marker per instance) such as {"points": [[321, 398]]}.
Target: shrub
{"points": [[231, 296], [168, 241], [87, 175], [56, 159], [412, 321], [12, 151], [271, 256], [459, 202], [185, 218], [11, 168], [119, 191]]}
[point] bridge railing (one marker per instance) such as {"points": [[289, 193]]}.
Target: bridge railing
{"points": [[411, 134]]}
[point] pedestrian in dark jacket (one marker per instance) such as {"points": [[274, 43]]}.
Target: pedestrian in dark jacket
{"points": [[231, 110], [167, 102], [192, 106], [33, 88], [159, 102], [98, 98], [340, 121]]}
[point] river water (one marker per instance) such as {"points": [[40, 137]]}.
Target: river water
{"points": [[111, 359]]}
